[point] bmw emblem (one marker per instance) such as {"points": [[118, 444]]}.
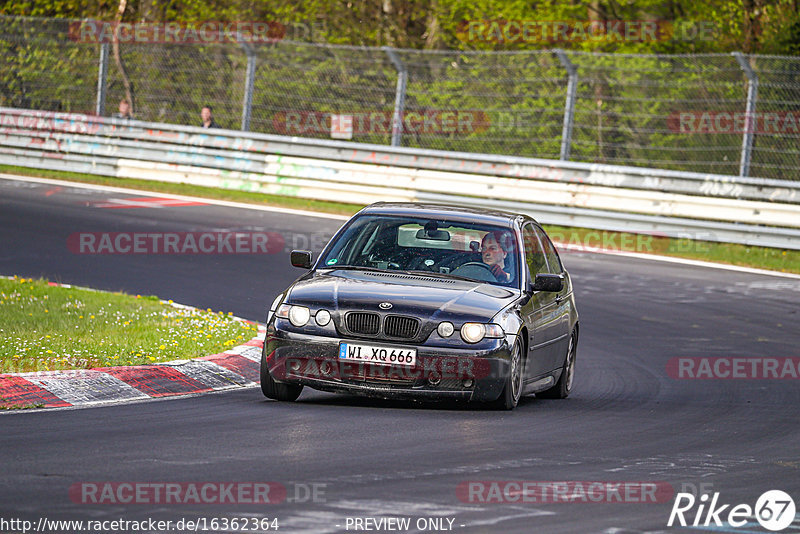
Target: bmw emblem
{"points": [[385, 305]]}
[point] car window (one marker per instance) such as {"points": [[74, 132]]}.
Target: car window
{"points": [[534, 255], [361, 237], [437, 246], [550, 252]]}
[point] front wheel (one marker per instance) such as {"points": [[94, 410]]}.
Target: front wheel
{"points": [[275, 390], [563, 387], [513, 387]]}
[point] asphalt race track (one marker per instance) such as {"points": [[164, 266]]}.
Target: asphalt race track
{"points": [[627, 421]]}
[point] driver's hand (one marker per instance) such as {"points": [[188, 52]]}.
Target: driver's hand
{"points": [[499, 273]]}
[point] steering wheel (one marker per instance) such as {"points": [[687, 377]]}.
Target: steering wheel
{"points": [[476, 263], [479, 274], [454, 258]]}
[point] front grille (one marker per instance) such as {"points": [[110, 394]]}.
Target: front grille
{"points": [[400, 326], [363, 323]]}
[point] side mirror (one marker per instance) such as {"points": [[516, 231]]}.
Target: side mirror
{"points": [[548, 282], [301, 258]]}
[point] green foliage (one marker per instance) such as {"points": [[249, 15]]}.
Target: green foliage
{"points": [[43, 327], [442, 23]]}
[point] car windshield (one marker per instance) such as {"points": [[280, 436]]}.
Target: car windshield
{"points": [[477, 252]]}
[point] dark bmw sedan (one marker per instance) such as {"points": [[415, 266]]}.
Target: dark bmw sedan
{"points": [[426, 301]]}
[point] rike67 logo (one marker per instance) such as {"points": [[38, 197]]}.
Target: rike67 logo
{"points": [[774, 511]]}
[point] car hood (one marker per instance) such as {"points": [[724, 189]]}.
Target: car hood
{"points": [[428, 298]]}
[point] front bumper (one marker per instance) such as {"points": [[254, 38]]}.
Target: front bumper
{"points": [[475, 373]]}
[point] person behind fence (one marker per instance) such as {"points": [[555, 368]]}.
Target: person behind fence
{"points": [[206, 114], [124, 110], [494, 250]]}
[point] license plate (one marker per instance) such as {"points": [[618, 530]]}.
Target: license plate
{"points": [[377, 355]]}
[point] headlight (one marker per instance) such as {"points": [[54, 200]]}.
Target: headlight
{"points": [[446, 329], [322, 317], [299, 315], [283, 311], [494, 330], [474, 332]]}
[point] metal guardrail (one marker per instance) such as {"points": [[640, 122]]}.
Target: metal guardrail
{"points": [[670, 203]]}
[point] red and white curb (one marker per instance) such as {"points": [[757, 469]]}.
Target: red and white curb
{"points": [[237, 367]]}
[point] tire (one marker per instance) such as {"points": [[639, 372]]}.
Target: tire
{"points": [[512, 390], [563, 387], [276, 390]]}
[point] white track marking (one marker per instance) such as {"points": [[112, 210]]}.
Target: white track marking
{"points": [[85, 386]]}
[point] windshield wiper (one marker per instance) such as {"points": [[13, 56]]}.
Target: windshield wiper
{"points": [[354, 268], [444, 275], [415, 272]]}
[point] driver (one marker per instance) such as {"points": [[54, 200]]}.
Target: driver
{"points": [[494, 249]]}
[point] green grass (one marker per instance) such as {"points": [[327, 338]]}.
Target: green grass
{"points": [[45, 328], [743, 255], [5, 406]]}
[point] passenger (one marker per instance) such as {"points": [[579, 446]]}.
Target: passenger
{"points": [[494, 249]]}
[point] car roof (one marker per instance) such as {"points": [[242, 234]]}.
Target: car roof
{"points": [[443, 211]]}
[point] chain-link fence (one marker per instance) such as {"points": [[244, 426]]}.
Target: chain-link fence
{"points": [[715, 113]]}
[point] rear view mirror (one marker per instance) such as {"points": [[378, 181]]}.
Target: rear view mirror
{"points": [[433, 235], [301, 258], [548, 282]]}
